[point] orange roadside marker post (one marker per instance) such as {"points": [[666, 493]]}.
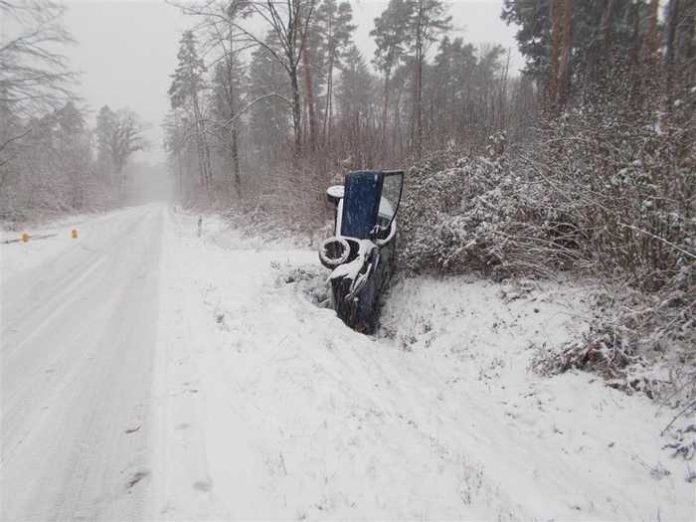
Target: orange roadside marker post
{"points": [[25, 237], [73, 233]]}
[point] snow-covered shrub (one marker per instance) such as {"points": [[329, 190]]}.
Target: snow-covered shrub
{"points": [[632, 184], [635, 187], [478, 214], [639, 342], [601, 192], [630, 188]]}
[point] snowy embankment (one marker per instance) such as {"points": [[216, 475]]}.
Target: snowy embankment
{"points": [[267, 406]]}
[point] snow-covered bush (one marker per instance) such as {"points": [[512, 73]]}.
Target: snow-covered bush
{"points": [[629, 186], [478, 214], [597, 192], [633, 187]]}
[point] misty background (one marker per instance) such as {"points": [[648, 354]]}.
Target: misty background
{"points": [[126, 50]]}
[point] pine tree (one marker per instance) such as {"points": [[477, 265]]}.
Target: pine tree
{"points": [[450, 86], [390, 34], [428, 21], [269, 122], [185, 93], [583, 48], [334, 28], [354, 97], [404, 32]]}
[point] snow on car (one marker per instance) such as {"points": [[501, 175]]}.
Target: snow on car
{"points": [[361, 253]]}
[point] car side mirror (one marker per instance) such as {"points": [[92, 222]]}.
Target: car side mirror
{"points": [[335, 193]]}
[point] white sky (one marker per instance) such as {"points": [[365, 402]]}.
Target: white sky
{"points": [[127, 49]]}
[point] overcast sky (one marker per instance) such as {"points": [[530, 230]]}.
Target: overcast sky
{"points": [[127, 49]]}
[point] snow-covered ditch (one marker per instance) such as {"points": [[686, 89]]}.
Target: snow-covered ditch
{"points": [[267, 406]]}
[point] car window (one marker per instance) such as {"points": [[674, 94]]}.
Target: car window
{"points": [[391, 194]]}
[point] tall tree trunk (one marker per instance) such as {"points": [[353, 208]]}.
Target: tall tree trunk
{"points": [[650, 44], [203, 149], [398, 142], [326, 127], [385, 107], [232, 108], [328, 117], [296, 109], [564, 67], [558, 86], [419, 102], [180, 171], [556, 43], [235, 160], [418, 98], [206, 155], [686, 53], [309, 94], [670, 43], [199, 152], [649, 59], [326, 132]]}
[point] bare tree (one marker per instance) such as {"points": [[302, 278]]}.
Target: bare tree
{"points": [[119, 135], [288, 23], [222, 45], [127, 138], [34, 76]]}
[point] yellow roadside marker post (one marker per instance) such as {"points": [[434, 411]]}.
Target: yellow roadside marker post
{"points": [[73, 233], [25, 237]]}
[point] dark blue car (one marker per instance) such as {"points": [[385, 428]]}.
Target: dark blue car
{"points": [[361, 254]]}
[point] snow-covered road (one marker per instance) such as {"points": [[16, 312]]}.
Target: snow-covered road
{"points": [[78, 331], [151, 373]]}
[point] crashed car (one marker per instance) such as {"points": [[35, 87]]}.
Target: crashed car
{"points": [[361, 254]]}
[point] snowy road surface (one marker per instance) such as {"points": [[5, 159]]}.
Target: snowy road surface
{"points": [[148, 373], [78, 332]]}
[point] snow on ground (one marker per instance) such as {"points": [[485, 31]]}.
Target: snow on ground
{"points": [[152, 373], [282, 412]]}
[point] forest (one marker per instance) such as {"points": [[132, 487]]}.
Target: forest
{"points": [[583, 164]]}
